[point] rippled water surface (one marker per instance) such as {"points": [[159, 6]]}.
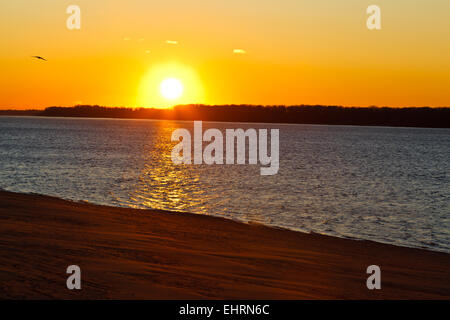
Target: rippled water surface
{"points": [[379, 183]]}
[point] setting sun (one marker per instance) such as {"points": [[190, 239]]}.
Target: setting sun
{"points": [[166, 84], [171, 88]]}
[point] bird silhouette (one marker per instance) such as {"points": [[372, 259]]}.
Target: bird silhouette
{"points": [[39, 57]]}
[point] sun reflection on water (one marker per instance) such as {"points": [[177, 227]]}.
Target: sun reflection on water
{"points": [[164, 185]]}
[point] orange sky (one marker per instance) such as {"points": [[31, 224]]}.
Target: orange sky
{"points": [[294, 52]]}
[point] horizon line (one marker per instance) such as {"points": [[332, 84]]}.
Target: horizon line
{"points": [[223, 105]]}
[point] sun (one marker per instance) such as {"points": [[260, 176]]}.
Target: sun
{"points": [[167, 84], [171, 88]]}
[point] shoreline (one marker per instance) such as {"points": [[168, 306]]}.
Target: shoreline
{"points": [[152, 254], [271, 226], [403, 117]]}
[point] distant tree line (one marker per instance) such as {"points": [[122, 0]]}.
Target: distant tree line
{"points": [[20, 112], [307, 114]]}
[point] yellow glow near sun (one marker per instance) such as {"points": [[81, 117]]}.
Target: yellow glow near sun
{"points": [[169, 84], [171, 88]]}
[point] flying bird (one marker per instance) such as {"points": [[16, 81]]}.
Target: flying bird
{"points": [[39, 57]]}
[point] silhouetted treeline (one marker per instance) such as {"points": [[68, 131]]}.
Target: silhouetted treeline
{"points": [[20, 112], [333, 115]]}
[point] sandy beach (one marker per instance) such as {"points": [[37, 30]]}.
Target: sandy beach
{"points": [[145, 254]]}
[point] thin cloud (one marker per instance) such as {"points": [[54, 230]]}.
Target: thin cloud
{"points": [[126, 39], [147, 51], [171, 42], [239, 51]]}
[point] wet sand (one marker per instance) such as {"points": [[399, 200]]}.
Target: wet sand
{"points": [[145, 254]]}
